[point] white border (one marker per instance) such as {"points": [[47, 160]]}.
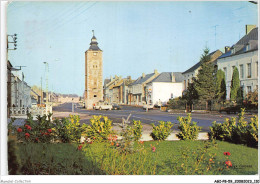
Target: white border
{"points": [[3, 90], [83, 178]]}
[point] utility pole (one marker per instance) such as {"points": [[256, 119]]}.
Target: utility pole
{"points": [[41, 92], [215, 35], [46, 75]]}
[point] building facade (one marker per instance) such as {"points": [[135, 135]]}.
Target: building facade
{"points": [[137, 90], [166, 86], [93, 74], [244, 56], [20, 92]]}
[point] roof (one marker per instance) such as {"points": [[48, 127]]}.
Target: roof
{"points": [[240, 47], [142, 79], [167, 77], [35, 92], [94, 44], [197, 65], [106, 81]]}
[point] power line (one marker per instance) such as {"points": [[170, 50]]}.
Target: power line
{"points": [[66, 22]]}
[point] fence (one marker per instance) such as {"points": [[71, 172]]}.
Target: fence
{"points": [[23, 111]]}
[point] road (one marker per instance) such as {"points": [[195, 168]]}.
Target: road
{"points": [[152, 116]]}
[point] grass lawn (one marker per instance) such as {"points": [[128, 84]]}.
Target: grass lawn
{"points": [[169, 158]]}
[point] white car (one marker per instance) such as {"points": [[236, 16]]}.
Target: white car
{"points": [[103, 106], [149, 106], [34, 105]]}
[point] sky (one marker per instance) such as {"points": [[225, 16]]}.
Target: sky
{"points": [[136, 37]]}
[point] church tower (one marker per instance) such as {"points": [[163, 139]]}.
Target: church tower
{"points": [[93, 74]]}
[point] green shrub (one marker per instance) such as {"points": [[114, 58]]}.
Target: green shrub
{"points": [[69, 129], [99, 130], [162, 131], [223, 131], [240, 133], [14, 163], [36, 131], [188, 130], [251, 134], [137, 129]]}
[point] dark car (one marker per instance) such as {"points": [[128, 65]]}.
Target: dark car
{"points": [[230, 109], [115, 106]]}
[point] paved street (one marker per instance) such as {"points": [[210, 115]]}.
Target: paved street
{"points": [[153, 116]]}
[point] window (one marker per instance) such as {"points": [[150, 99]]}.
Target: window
{"points": [[249, 70], [95, 95], [241, 68], [249, 89], [184, 84]]}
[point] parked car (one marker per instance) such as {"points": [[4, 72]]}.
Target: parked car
{"points": [[230, 109], [115, 106], [102, 106], [34, 105], [149, 106]]}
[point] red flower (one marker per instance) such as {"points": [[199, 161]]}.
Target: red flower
{"points": [[37, 139], [117, 144], [46, 133], [141, 142], [90, 142], [28, 127], [227, 153], [79, 147], [94, 138], [49, 130], [228, 163], [112, 143], [153, 149], [27, 135], [19, 130], [83, 143]]}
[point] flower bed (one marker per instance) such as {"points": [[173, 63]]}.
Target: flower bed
{"points": [[149, 158]]}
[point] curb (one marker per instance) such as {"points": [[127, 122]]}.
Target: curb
{"points": [[173, 137]]}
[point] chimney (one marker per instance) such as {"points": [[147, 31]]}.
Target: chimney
{"points": [[129, 77], [143, 75], [249, 28], [156, 71], [173, 77], [227, 49]]}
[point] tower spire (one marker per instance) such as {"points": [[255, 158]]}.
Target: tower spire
{"points": [[93, 32]]}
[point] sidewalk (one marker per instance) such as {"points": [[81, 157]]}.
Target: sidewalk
{"points": [[147, 129]]}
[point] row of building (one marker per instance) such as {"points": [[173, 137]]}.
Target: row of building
{"points": [[157, 88], [20, 94]]}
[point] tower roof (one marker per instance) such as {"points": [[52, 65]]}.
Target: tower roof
{"points": [[94, 43]]}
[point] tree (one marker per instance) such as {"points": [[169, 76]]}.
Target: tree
{"points": [[220, 94], [190, 95], [204, 84], [235, 85]]}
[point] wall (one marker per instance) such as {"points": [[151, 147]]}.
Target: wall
{"points": [[93, 78], [237, 60], [164, 90], [20, 93]]}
